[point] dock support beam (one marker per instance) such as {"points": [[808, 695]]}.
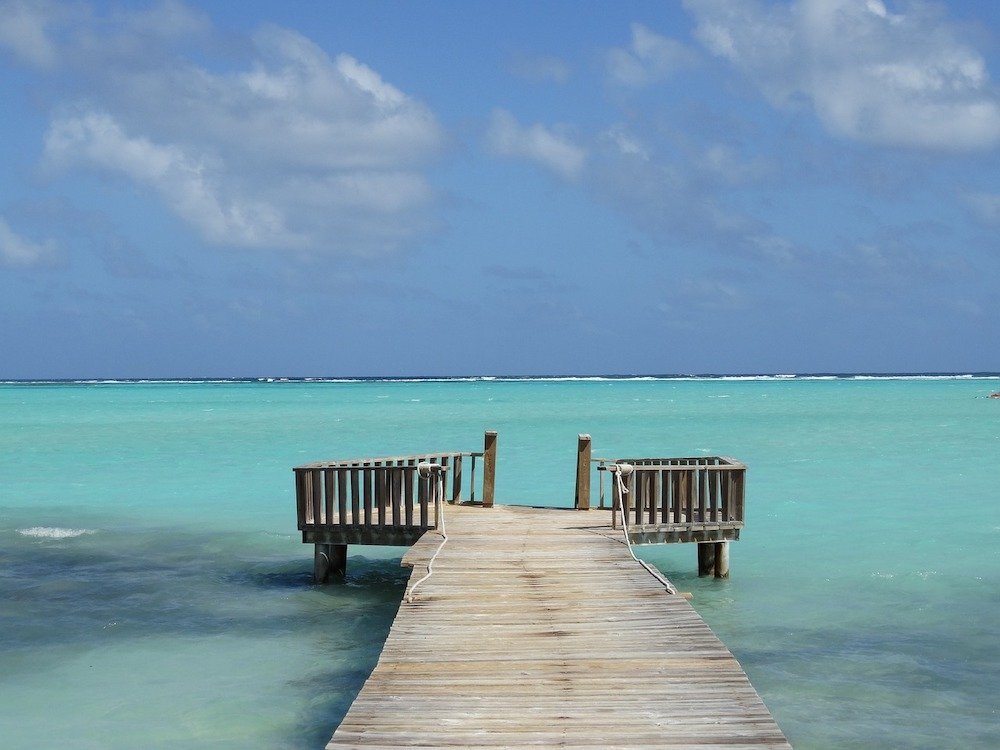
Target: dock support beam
{"points": [[713, 559], [489, 467], [329, 559], [583, 452]]}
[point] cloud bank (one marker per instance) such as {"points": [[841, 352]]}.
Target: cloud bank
{"points": [[291, 149], [904, 79]]}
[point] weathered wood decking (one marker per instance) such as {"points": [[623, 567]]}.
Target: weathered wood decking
{"points": [[538, 629]]}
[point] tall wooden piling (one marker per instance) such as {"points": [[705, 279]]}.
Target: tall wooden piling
{"points": [[713, 559], [706, 558], [489, 467], [722, 559], [583, 453], [329, 560]]}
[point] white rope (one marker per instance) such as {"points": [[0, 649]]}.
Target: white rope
{"points": [[425, 470], [619, 470]]}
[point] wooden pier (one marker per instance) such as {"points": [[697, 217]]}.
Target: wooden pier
{"points": [[536, 627]]}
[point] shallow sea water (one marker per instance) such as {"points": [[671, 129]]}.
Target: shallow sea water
{"points": [[154, 591]]}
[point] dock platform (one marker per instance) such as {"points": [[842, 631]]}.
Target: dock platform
{"points": [[537, 629]]}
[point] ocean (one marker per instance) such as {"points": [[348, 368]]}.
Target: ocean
{"points": [[154, 591]]}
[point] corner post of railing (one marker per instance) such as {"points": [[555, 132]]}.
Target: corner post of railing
{"points": [[616, 497], [423, 497], [456, 479], [489, 467], [740, 493], [300, 497], [600, 482], [583, 453], [439, 479]]}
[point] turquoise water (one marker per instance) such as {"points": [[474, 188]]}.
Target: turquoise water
{"points": [[155, 594]]}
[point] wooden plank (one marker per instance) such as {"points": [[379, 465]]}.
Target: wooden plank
{"points": [[537, 630]]}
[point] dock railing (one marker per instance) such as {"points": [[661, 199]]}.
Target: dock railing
{"points": [[387, 500], [687, 499]]}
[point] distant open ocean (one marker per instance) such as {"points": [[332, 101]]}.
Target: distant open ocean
{"points": [[154, 592]]}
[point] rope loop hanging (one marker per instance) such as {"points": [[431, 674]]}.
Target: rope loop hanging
{"points": [[622, 470], [427, 470]]}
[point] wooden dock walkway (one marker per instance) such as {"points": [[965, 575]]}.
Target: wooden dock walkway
{"points": [[538, 629]]}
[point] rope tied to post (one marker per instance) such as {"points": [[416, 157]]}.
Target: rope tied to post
{"points": [[620, 471], [425, 470]]}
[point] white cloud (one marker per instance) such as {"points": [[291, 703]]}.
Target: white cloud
{"points": [[553, 151], [47, 34], [905, 79], [626, 143], [241, 153], [19, 252], [649, 58], [24, 31], [189, 184]]}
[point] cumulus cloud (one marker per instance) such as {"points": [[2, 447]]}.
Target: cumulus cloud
{"points": [[899, 79], [191, 186], [292, 149], [19, 252], [648, 59], [554, 151]]}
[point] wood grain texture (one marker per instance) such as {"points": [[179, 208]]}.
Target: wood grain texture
{"points": [[538, 630]]}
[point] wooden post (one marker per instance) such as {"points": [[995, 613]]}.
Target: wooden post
{"points": [[456, 479], [722, 559], [489, 467], [706, 558], [329, 559], [583, 451], [616, 499]]}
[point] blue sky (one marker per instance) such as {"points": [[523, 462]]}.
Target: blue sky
{"points": [[388, 188]]}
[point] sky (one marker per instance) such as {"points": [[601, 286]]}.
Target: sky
{"points": [[372, 188]]}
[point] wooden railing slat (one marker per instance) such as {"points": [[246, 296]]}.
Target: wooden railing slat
{"points": [[341, 495], [329, 495], [316, 491], [368, 497], [396, 493], [422, 486], [408, 495], [456, 479], [380, 492], [300, 497]]}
